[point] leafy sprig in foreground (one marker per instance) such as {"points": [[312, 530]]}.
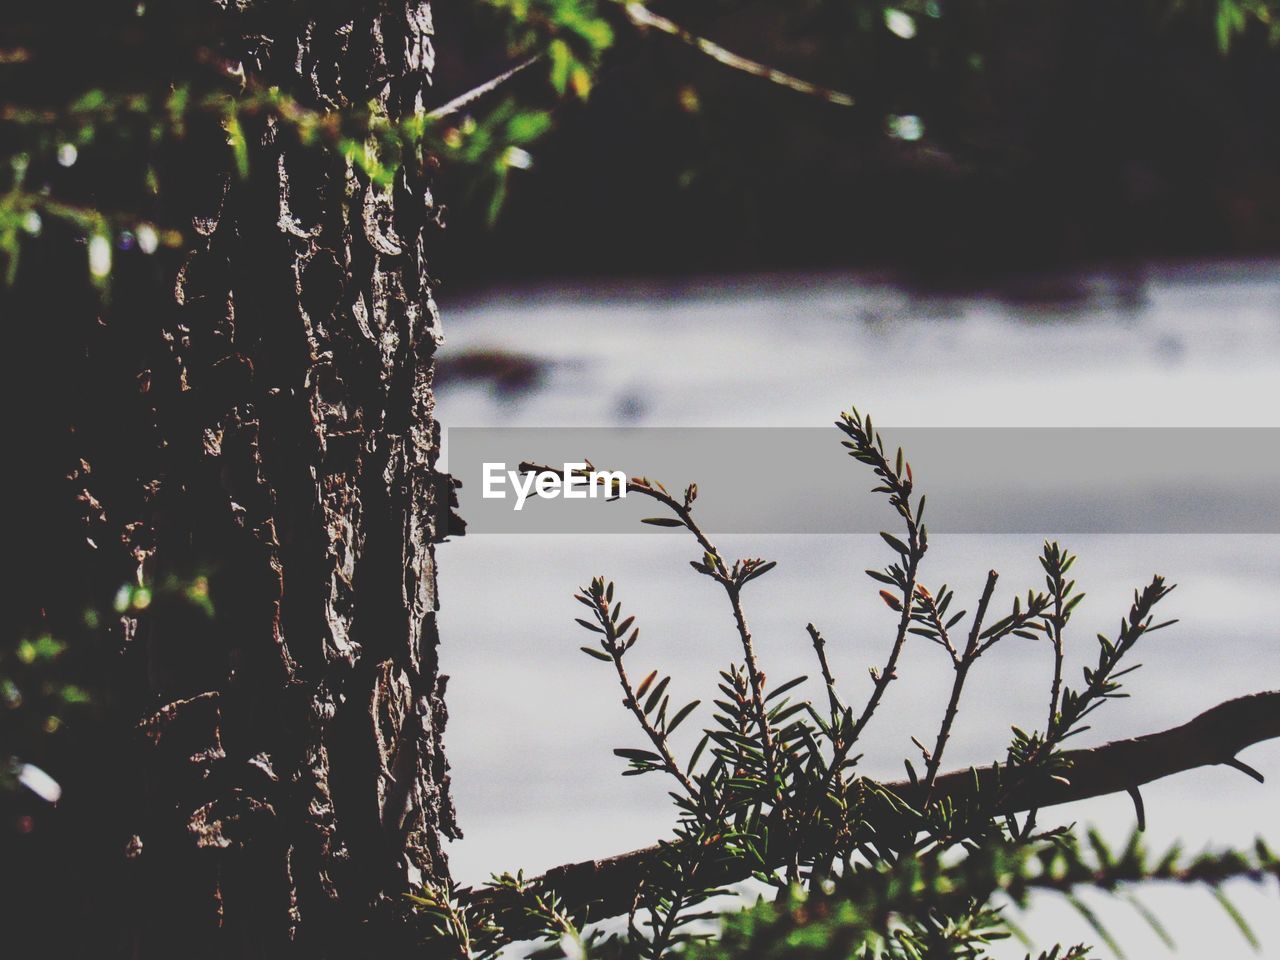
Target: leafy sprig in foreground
{"points": [[771, 792]]}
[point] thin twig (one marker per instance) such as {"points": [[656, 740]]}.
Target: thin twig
{"points": [[733, 591], [464, 100], [1055, 637], [932, 616], [820, 650], [656, 737], [962, 665], [890, 671], [642, 16], [721, 574]]}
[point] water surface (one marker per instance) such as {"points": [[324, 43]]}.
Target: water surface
{"points": [[534, 721]]}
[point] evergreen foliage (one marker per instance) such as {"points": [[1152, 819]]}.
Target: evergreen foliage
{"points": [[771, 793]]}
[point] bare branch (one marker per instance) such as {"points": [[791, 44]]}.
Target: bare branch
{"points": [[962, 665], [642, 16], [820, 650], [462, 101]]}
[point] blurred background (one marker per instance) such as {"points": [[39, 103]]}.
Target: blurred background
{"points": [[1060, 213], [1056, 214], [987, 138]]}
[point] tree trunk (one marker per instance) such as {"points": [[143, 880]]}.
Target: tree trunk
{"points": [[262, 431]]}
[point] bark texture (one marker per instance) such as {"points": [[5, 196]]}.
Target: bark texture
{"points": [[266, 423]]}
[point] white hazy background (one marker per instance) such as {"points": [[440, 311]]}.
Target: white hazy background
{"points": [[533, 721]]}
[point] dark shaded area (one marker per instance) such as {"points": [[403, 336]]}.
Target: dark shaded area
{"points": [[1054, 133]]}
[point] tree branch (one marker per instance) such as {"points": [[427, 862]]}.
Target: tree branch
{"points": [[1214, 737], [643, 17], [462, 101]]}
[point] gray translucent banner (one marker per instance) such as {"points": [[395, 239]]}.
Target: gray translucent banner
{"points": [[978, 480]]}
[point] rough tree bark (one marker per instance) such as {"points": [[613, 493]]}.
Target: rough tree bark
{"points": [[266, 422]]}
